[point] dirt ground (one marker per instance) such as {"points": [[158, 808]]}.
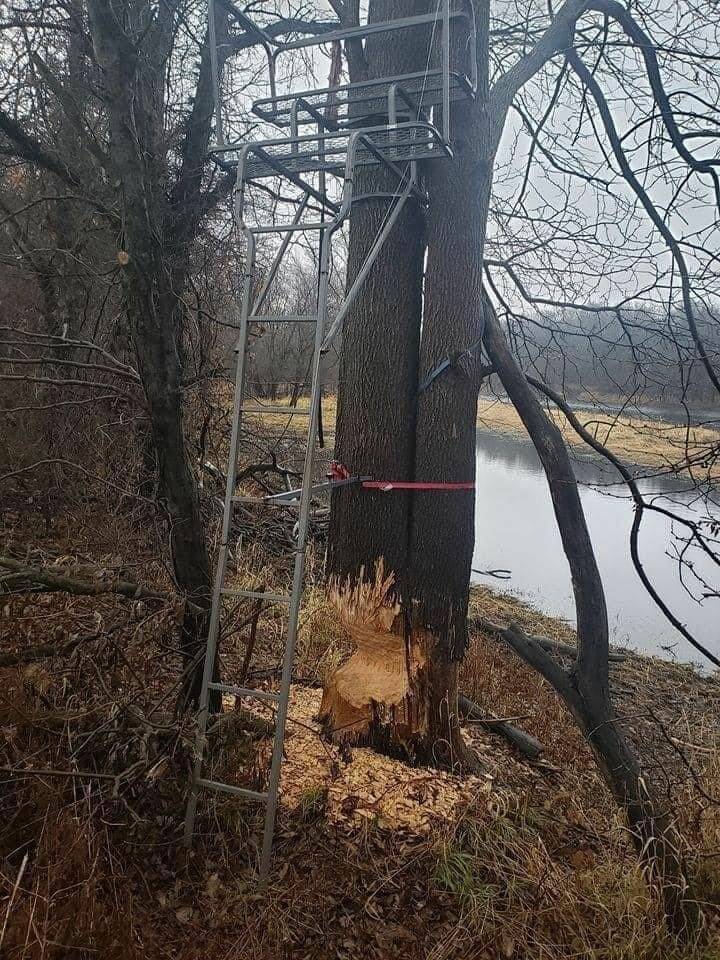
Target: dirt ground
{"points": [[374, 858]]}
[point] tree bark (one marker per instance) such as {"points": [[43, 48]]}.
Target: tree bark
{"points": [[386, 430], [586, 689], [375, 698], [153, 281], [381, 336], [442, 523]]}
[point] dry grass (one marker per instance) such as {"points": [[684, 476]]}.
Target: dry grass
{"points": [[540, 870], [651, 443]]}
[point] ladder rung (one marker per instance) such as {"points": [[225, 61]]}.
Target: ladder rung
{"points": [[230, 788], [245, 692], [256, 595], [285, 318], [290, 411], [271, 500]]}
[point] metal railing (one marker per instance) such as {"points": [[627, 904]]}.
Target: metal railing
{"points": [[444, 15]]}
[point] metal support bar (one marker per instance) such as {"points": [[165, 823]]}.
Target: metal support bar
{"points": [[231, 788], [288, 496], [294, 178], [260, 300], [245, 692], [255, 595], [367, 29], [323, 122], [394, 91], [390, 164], [370, 260]]}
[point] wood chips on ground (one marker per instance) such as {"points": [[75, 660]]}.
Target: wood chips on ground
{"points": [[357, 785]]}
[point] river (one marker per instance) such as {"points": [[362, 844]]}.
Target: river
{"points": [[515, 529]]}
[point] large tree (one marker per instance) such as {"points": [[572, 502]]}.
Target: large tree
{"points": [[400, 687], [110, 102]]}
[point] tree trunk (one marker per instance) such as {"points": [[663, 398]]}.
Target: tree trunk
{"points": [[381, 336], [160, 371], [153, 279], [376, 435], [377, 697], [586, 689], [442, 523], [426, 540]]}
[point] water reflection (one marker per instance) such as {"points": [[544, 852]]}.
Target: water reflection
{"points": [[515, 529]]}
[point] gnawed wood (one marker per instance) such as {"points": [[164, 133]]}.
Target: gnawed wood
{"points": [[377, 692]]}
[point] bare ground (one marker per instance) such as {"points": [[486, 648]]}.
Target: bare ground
{"points": [[374, 858]]}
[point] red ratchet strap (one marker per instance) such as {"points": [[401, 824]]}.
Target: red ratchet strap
{"points": [[339, 472], [387, 485]]}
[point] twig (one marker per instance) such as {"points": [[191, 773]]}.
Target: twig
{"points": [[75, 774], [16, 885]]}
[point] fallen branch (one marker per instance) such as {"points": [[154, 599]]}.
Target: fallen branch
{"points": [[73, 774], [62, 581], [42, 652], [550, 646], [528, 745]]}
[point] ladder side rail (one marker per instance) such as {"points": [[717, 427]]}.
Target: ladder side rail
{"points": [[446, 70], [214, 626], [297, 587], [304, 511]]}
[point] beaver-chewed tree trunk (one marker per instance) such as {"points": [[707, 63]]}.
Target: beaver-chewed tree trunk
{"points": [[399, 690], [442, 531], [394, 693], [376, 435]]}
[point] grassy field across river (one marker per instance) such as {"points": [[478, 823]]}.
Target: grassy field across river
{"points": [[658, 444]]}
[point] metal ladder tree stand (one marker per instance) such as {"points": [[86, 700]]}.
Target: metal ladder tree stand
{"points": [[306, 161]]}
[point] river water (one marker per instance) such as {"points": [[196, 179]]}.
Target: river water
{"points": [[515, 529]]}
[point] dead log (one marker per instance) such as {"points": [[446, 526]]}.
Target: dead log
{"points": [[61, 580], [551, 646], [528, 745]]}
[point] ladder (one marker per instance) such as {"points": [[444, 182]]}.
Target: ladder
{"points": [[306, 161]]}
